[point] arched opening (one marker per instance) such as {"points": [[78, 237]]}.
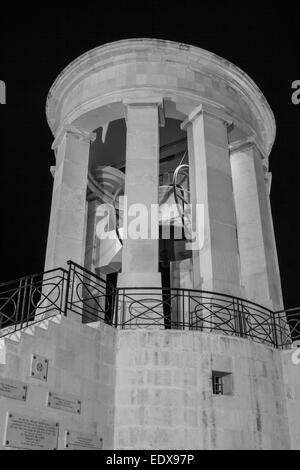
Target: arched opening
{"points": [[106, 181]]}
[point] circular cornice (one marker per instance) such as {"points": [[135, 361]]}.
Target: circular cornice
{"points": [[193, 57]]}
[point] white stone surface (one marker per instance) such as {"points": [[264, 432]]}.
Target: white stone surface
{"points": [[216, 264], [67, 220], [151, 389], [81, 363], [291, 374], [164, 397], [141, 184], [258, 257]]}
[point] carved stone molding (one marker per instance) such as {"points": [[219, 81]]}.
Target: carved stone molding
{"points": [[81, 134], [248, 142], [202, 110], [145, 102]]}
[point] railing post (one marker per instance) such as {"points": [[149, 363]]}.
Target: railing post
{"points": [[123, 308], [67, 290], [23, 304], [183, 307], [189, 312], [63, 284], [243, 319], [275, 339], [18, 301], [116, 306], [29, 301], [238, 315], [235, 317]]}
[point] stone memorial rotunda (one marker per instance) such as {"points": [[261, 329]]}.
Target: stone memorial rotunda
{"points": [[158, 322]]}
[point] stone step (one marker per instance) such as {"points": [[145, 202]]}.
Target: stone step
{"points": [[56, 319], [29, 330], [15, 336], [7, 330], [43, 325], [2, 351], [10, 342]]}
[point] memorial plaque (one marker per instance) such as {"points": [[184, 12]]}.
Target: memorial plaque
{"points": [[82, 441], [64, 402], [28, 432], [39, 367], [13, 389]]}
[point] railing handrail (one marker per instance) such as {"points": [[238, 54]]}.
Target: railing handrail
{"points": [[91, 273], [30, 276], [70, 263], [29, 299], [95, 294], [199, 291], [286, 310], [241, 317]]}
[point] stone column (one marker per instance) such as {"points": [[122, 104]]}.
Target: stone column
{"points": [[91, 236], [216, 263], [140, 256], [181, 273], [94, 294], [67, 227], [257, 248], [66, 236]]}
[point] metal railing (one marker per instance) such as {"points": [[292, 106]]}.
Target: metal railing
{"points": [[183, 309], [33, 298], [88, 295], [288, 321]]}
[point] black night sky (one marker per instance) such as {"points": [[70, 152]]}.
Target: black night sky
{"points": [[38, 42]]}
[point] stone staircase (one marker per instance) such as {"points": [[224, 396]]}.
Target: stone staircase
{"points": [[12, 342], [80, 366]]}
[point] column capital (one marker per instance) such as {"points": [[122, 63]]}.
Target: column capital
{"points": [[144, 102], [202, 110], [81, 134], [248, 142]]}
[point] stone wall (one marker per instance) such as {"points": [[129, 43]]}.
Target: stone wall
{"points": [[81, 364], [164, 396], [291, 375], [152, 389]]}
